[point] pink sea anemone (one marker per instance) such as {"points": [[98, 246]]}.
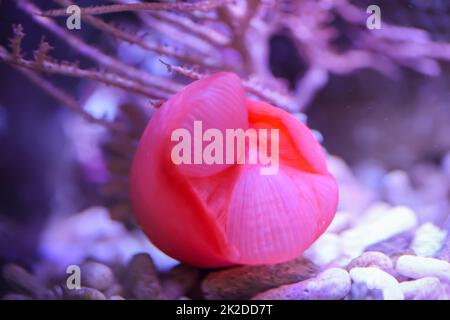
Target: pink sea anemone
{"points": [[214, 215]]}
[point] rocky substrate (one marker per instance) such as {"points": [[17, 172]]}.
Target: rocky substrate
{"points": [[389, 240], [372, 275]]}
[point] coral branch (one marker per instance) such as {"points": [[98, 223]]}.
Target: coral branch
{"points": [[65, 99], [204, 32], [284, 101], [133, 39], [40, 55], [204, 5], [188, 73], [73, 71], [16, 41], [193, 42], [163, 85]]}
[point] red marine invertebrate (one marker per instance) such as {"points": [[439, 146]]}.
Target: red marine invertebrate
{"points": [[221, 214]]}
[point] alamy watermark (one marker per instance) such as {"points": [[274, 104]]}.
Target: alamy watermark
{"points": [[73, 281], [74, 19], [248, 146], [374, 20]]}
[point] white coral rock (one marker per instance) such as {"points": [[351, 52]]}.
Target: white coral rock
{"points": [[375, 279], [419, 267], [428, 240], [428, 288], [376, 229]]}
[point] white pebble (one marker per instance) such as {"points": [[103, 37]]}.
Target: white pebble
{"points": [[373, 213], [377, 279], [397, 220], [446, 164], [418, 267], [326, 249], [428, 240], [301, 116], [97, 275], [340, 222], [428, 288], [333, 283]]}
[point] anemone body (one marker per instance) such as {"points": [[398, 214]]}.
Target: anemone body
{"points": [[215, 215]]}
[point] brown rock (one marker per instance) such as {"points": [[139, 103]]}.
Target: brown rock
{"points": [[83, 294], [332, 284], [373, 259], [16, 296], [246, 281], [142, 279], [180, 280], [22, 281]]}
